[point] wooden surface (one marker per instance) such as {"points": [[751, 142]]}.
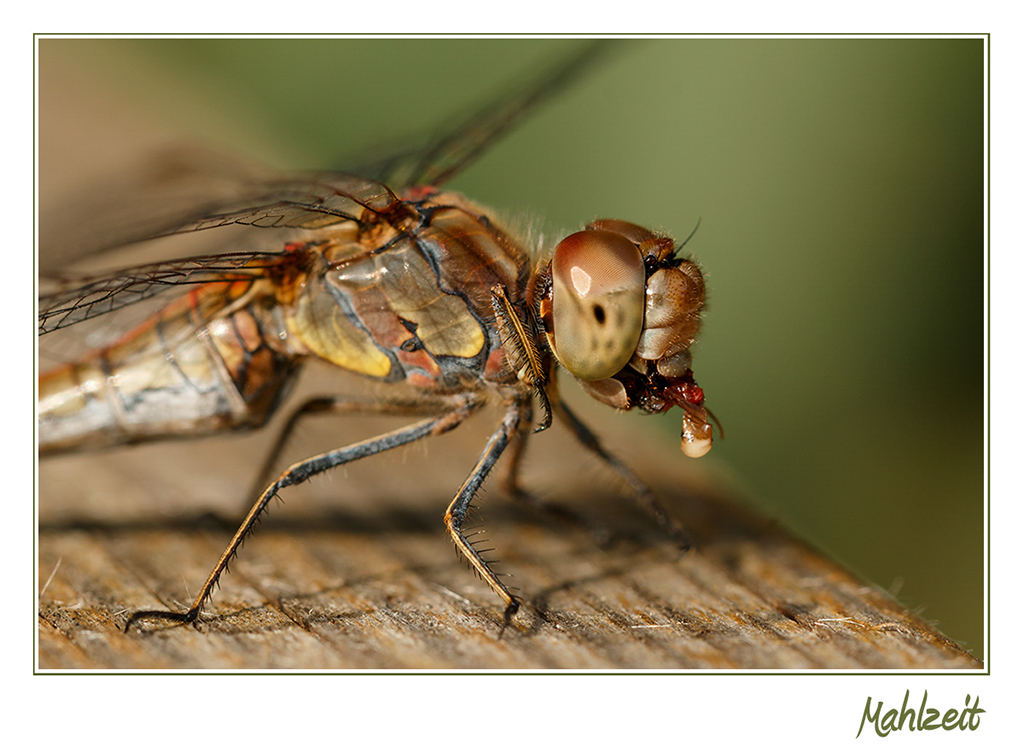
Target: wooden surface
{"points": [[355, 571]]}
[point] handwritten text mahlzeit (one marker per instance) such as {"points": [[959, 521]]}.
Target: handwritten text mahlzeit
{"points": [[923, 718]]}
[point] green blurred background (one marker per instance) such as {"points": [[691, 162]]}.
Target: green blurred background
{"points": [[839, 186]]}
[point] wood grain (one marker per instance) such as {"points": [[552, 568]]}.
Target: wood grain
{"points": [[357, 572]]}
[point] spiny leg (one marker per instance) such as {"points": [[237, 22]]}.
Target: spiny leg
{"points": [[336, 404], [300, 472], [642, 494], [456, 514]]}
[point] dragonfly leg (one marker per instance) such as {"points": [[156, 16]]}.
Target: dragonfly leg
{"points": [[300, 472], [516, 448], [339, 404], [642, 494], [511, 485], [456, 514]]}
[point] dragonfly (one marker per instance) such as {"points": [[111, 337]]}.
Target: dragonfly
{"points": [[387, 274]]}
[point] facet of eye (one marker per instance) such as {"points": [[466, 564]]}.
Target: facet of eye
{"points": [[656, 247], [628, 230], [598, 293]]}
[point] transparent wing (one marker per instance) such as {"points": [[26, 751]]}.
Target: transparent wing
{"points": [[452, 151], [243, 194], [185, 190], [84, 299], [319, 200], [304, 202]]}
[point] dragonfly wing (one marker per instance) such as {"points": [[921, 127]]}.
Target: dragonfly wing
{"points": [[304, 202], [85, 299], [451, 151], [179, 190], [165, 189], [203, 200]]}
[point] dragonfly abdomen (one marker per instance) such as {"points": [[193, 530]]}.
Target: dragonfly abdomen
{"points": [[202, 364]]}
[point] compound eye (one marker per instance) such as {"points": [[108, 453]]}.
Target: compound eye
{"points": [[597, 302]]}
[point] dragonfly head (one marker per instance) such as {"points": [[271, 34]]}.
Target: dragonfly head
{"points": [[620, 311]]}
